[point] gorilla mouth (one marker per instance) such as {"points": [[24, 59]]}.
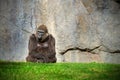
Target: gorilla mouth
{"points": [[39, 39]]}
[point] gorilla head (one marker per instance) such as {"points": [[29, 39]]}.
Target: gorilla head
{"points": [[41, 33]]}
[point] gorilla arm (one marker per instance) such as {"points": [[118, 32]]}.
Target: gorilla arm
{"points": [[52, 57], [32, 43]]}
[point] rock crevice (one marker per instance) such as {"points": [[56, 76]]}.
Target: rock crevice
{"points": [[80, 49]]}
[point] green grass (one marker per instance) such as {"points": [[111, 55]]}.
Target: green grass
{"points": [[59, 71]]}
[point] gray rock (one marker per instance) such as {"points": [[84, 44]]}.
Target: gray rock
{"points": [[82, 28], [16, 16]]}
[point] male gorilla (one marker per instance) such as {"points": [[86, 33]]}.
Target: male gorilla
{"points": [[41, 46]]}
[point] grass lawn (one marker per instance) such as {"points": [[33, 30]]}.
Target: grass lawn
{"points": [[59, 71]]}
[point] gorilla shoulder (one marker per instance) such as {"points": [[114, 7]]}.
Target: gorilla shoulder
{"points": [[32, 37]]}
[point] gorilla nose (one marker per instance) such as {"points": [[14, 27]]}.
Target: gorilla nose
{"points": [[39, 36]]}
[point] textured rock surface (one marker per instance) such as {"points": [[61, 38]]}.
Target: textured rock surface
{"points": [[85, 30], [15, 17]]}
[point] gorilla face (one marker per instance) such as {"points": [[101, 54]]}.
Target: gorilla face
{"points": [[40, 34]]}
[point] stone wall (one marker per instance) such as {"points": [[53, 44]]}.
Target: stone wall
{"points": [[85, 30], [16, 16]]}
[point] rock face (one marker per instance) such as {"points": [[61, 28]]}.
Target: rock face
{"points": [[85, 30], [16, 16]]}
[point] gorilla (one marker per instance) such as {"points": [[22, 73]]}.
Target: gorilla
{"points": [[41, 46]]}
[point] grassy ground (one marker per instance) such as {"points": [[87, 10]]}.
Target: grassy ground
{"points": [[59, 71]]}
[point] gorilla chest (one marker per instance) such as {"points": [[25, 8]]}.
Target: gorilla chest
{"points": [[42, 45]]}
